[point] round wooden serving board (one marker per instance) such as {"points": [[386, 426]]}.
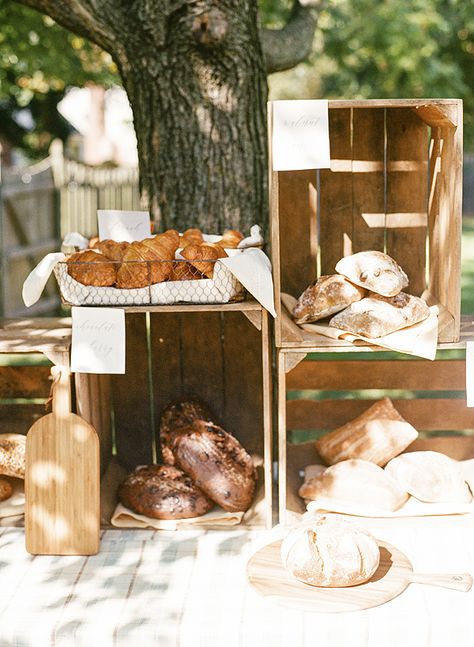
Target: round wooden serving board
{"points": [[268, 577]]}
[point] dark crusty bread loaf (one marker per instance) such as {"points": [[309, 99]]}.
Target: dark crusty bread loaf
{"points": [[175, 417], [217, 463], [163, 492]]}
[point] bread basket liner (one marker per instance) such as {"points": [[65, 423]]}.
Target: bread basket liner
{"points": [[123, 517], [420, 339], [15, 504], [249, 268], [411, 508]]}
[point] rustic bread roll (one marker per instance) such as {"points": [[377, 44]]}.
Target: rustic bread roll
{"points": [[92, 268], [324, 297], [217, 463], [374, 271], [6, 489], [378, 435], [356, 481], [429, 476], [329, 552], [12, 455], [376, 316], [163, 492], [177, 416]]}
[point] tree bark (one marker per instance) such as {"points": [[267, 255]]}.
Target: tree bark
{"points": [[198, 97]]}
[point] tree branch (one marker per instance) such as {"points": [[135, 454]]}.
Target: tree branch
{"points": [[286, 47], [86, 18]]}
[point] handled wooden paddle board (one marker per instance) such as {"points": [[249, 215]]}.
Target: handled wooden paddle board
{"points": [[62, 481], [268, 577]]}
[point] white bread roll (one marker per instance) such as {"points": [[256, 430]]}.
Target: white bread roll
{"points": [[333, 553], [430, 476], [378, 434], [356, 481]]}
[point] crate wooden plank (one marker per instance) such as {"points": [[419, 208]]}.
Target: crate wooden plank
{"points": [[424, 414], [242, 386], [368, 207], [202, 358], [166, 364], [131, 398], [335, 220], [24, 381], [407, 155], [298, 230], [18, 418], [347, 375]]}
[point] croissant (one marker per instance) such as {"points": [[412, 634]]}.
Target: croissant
{"points": [[191, 237], [183, 271], [111, 249], [173, 237], [203, 257], [145, 263], [231, 238], [92, 268]]}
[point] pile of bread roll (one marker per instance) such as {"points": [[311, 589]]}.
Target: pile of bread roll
{"points": [[12, 462], [365, 296], [108, 263], [367, 466], [203, 465]]}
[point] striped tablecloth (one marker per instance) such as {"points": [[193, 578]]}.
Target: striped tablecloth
{"points": [[189, 589]]}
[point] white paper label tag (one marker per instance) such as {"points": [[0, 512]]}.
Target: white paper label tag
{"points": [[300, 135], [98, 340], [123, 225], [470, 374]]}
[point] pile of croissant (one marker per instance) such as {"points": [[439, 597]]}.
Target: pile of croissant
{"points": [[108, 263]]}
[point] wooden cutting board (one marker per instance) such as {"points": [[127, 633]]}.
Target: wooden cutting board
{"points": [[62, 481], [268, 577]]}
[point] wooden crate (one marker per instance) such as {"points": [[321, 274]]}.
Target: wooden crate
{"points": [[220, 354], [434, 410], [394, 185]]}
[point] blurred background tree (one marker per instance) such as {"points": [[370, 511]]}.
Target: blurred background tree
{"points": [[39, 62], [361, 49]]}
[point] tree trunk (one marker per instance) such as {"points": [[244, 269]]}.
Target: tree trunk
{"points": [[199, 108]]}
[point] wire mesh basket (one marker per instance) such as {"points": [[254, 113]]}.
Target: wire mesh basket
{"points": [[210, 282]]}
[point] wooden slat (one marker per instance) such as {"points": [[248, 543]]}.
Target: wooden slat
{"points": [[368, 187], [298, 230], [18, 418], [407, 141], [445, 221], [347, 375], [336, 195], [243, 399], [131, 399], [166, 364], [202, 360], [423, 414], [24, 381]]}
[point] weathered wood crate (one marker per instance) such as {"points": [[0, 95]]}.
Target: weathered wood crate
{"points": [[394, 185], [220, 354], [318, 396]]}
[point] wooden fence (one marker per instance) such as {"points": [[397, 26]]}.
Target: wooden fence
{"points": [[39, 204]]}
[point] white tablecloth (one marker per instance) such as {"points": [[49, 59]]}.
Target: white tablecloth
{"points": [[189, 588]]}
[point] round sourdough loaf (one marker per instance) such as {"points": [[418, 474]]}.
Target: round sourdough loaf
{"points": [[331, 553], [12, 455], [163, 492]]}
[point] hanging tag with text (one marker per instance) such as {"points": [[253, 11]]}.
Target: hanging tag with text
{"points": [[470, 373], [98, 340], [123, 225], [300, 135]]}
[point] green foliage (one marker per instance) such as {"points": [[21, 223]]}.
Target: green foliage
{"points": [[367, 49], [39, 60]]}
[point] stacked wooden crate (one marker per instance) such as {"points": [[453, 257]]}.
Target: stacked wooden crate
{"points": [[394, 185]]}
